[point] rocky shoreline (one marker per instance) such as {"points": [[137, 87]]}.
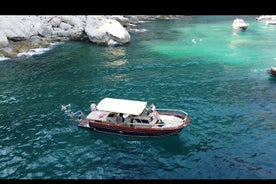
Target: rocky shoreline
{"points": [[22, 33]]}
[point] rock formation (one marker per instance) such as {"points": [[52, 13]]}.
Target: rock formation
{"points": [[22, 33]]}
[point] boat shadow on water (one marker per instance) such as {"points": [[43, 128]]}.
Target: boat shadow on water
{"points": [[170, 145], [272, 79]]}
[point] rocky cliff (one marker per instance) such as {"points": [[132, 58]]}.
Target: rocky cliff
{"points": [[22, 33]]}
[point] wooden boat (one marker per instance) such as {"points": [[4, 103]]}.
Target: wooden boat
{"points": [[239, 24], [272, 71], [134, 118]]}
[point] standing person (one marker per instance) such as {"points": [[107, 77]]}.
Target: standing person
{"points": [[93, 106], [153, 107], [122, 117]]}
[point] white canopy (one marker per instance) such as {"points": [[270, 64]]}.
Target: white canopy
{"points": [[122, 106]]}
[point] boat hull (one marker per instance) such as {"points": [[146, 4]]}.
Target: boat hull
{"points": [[272, 72], [133, 118], [124, 130], [239, 24], [240, 27]]}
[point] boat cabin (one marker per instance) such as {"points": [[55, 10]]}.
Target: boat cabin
{"points": [[121, 111]]}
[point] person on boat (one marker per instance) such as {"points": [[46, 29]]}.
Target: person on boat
{"points": [[151, 109], [119, 118], [154, 114], [131, 117], [122, 117], [93, 106]]}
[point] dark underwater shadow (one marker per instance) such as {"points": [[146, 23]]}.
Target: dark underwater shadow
{"points": [[169, 144], [272, 79]]}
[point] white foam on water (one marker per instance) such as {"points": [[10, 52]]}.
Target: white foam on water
{"points": [[38, 51], [8, 100], [4, 58], [138, 30]]}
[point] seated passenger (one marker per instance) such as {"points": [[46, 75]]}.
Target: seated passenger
{"points": [[118, 118], [156, 115]]}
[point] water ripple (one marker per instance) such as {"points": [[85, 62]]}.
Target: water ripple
{"points": [[221, 82]]}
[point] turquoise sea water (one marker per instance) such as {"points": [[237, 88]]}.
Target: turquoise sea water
{"points": [[196, 63]]}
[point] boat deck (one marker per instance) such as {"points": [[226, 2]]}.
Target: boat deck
{"points": [[103, 116], [98, 116], [171, 121]]}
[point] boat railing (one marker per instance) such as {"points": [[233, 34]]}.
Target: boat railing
{"points": [[175, 112], [142, 124], [172, 112]]}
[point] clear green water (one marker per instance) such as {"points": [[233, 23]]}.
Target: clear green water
{"points": [[197, 64]]}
